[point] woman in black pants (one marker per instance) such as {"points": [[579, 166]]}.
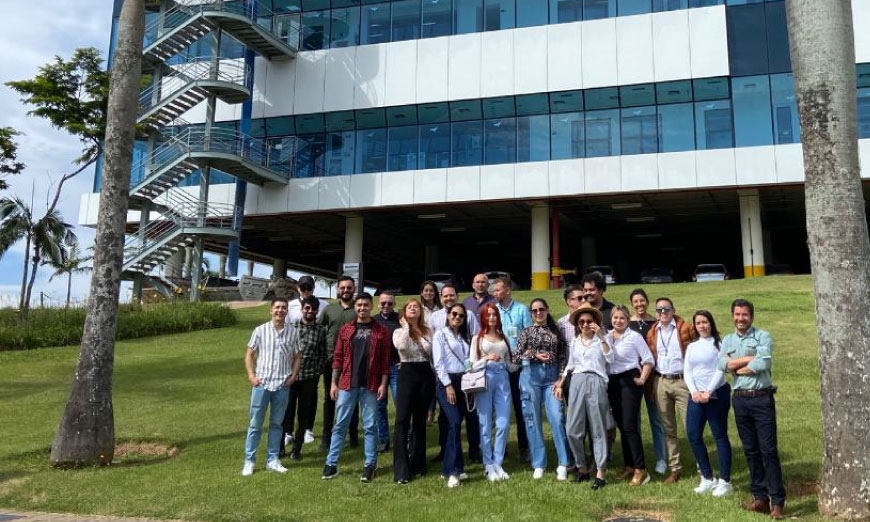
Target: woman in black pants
{"points": [[632, 365], [414, 392]]}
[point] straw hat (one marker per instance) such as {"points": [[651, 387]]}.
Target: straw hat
{"points": [[585, 308]]}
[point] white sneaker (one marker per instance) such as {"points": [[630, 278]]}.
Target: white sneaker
{"points": [[661, 467], [706, 486], [309, 437], [463, 476], [502, 474], [539, 473], [453, 481], [275, 465], [491, 474], [288, 440], [561, 473], [722, 488], [248, 468]]}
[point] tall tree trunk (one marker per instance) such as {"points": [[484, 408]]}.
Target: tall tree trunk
{"points": [[823, 57], [37, 252], [24, 277], [86, 435], [68, 288]]}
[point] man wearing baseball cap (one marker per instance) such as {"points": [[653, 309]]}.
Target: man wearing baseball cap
{"points": [[306, 288]]}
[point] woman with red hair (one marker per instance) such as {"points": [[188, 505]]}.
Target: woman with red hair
{"points": [[490, 349]]}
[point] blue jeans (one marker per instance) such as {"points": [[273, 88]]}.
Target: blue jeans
{"points": [[261, 399], [344, 406], [536, 387], [383, 418], [497, 396], [453, 462], [716, 413], [655, 426]]}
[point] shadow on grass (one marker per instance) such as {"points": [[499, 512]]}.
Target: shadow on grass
{"points": [[22, 389]]}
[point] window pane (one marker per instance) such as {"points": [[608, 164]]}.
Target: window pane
{"points": [[705, 3], [747, 40], [562, 11], [674, 92], [309, 156], [633, 7], [777, 38], [467, 16], [371, 150], [402, 148], [340, 121], [499, 14], [639, 130], [435, 146], [602, 98], [713, 125], [602, 133], [530, 104], [375, 24], [533, 138], [314, 5], [531, 13], [344, 3], [315, 30], [710, 89], [751, 97], [434, 113], [345, 27], [406, 20], [635, 95], [465, 110], [863, 74], [786, 124], [501, 141], [437, 18], [467, 143], [280, 126], [669, 5], [498, 107], [864, 112], [370, 118], [676, 127], [570, 101], [309, 123], [595, 9], [339, 153], [567, 134], [405, 115]]}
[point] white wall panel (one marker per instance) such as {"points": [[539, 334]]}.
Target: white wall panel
{"points": [[789, 163], [463, 184], [226, 112], [273, 198], [280, 86], [224, 192], [672, 58], [497, 182], [365, 190], [397, 188], [566, 177], [432, 59], [496, 63], [463, 76], [634, 49], [708, 40], [340, 77], [334, 192], [715, 168], [755, 165], [258, 96], [639, 172], [564, 43], [303, 194], [371, 75], [602, 174], [677, 170], [599, 53], [861, 24], [531, 180], [252, 196], [430, 185], [196, 114], [530, 60], [310, 73], [864, 157], [401, 73]]}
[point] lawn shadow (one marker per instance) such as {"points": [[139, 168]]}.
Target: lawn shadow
{"points": [[23, 389]]}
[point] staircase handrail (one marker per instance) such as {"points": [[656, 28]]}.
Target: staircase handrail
{"points": [[182, 75]]}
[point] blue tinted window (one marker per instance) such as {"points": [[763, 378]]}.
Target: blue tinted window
{"points": [[437, 18], [567, 132], [786, 124], [498, 107], [744, 2], [433, 113], [340, 121], [467, 16], [747, 40], [569, 101], [595, 9], [713, 129], [635, 95], [281, 126], [602, 98], [339, 153], [533, 138], [467, 146], [344, 3], [863, 75], [676, 127], [705, 3], [710, 89], [562, 11], [669, 5], [375, 26], [371, 150], [751, 98], [639, 130], [864, 112], [531, 104], [602, 133], [309, 123], [231, 48], [531, 13], [633, 7], [465, 110], [345, 27], [402, 148], [399, 116], [315, 30], [406, 20], [674, 92], [309, 155], [777, 38], [435, 146], [498, 14], [314, 5], [501, 141], [370, 118]]}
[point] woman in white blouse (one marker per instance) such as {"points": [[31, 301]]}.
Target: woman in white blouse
{"points": [[414, 391], [588, 358], [490, 349], [631, 366], [711, 401]]}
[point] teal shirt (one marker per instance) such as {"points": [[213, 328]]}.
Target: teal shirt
{"points": [[757, 343], [514, 319]]}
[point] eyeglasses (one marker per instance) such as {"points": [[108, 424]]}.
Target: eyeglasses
{"points": [[457, 314], [664, 309], [538, 310], [387, 303], [585, 323]]}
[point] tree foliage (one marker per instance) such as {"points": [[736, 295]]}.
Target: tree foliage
{"points": [[9, 163]]}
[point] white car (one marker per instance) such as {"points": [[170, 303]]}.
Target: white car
{"points": [[710, 272]]}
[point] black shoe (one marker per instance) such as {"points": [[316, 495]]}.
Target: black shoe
{"points": [[402, 481], [581, 477], [383, 447], [294, 455], [438, 458], [329, 472], [368, 474], [598, 483]]}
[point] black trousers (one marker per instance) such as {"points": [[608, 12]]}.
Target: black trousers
{"points": [[414, 391], [304, 396], [625, 397], [522, 439], [756, 424], [329, 410]]}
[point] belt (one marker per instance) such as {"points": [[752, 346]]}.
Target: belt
{"points": [[671, 377], [754, 393]]}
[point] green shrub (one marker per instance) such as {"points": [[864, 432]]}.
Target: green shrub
{"points": [[62, 327]]}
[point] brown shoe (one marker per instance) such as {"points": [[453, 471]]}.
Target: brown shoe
{"points": [[673, 477], [758, 506], [776, 513], [640, 477], [626, 474]]}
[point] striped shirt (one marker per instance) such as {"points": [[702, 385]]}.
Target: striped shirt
{"points": [[275, 350]]}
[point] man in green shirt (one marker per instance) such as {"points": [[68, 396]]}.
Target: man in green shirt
{"points": [[746, 354]]}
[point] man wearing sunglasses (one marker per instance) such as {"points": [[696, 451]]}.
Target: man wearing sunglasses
{"points": [[667, 341], [389, 319]]}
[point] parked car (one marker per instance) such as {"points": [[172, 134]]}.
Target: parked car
{"points": [[606, 270], [441, 278], [778, 269], [492, 275], [710, 272], [658, 274], [393, 284]]}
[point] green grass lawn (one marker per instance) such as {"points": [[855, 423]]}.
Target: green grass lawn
{"points": [[190, 391]]}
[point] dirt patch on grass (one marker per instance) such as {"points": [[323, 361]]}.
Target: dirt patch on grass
{"points": [[144, 449], [802, 489], [13, 483], [642, 514]]}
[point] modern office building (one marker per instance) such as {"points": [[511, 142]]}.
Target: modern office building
{"points": [[420, 136]]}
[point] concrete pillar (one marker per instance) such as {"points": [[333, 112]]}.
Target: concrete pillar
{"points": [[251, 268], [555, 258], [222, 266], [751, 232], [588, 252], [540, 247], [353, 239], [174, 266], [188, 261], [196, 270], [430, 259], [279, 268]]}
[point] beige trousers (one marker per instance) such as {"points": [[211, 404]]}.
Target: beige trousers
{"points": [[670, 395]]}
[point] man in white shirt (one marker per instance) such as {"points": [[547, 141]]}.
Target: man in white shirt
{"points": [[305, 285], [438, 318]]}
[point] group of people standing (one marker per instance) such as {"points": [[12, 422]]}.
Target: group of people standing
{"points": [[590, 372]]}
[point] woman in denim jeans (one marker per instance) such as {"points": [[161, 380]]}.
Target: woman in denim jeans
{"points": [[541, 353]]}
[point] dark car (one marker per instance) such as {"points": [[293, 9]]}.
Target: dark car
{"points": [[606, 270], [658, 274], [440, 278], [778, 269], [492, 275], [710, 272]]}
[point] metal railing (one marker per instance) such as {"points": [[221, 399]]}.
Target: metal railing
{"points": [[180, 76]]}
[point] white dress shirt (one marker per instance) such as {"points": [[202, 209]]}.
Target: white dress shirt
{"points": [[583, 358], [630, 352], [294, 310], [700, 366], [669, 357], [438, 320], [449, 353]]}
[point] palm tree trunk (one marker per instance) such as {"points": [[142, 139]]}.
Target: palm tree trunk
{"points": [[68, 288], [86, 435], [24, 277], [35, 265], [823, 57]]}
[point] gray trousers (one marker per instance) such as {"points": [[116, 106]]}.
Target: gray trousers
{"points": [[587, 411]]}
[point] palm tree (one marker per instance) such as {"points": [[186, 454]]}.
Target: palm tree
{"points": [[16, 223], [71, 263]]}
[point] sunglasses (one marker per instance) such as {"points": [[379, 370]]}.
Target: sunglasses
{"points": [[387, 303], [664, 309], [538, 310], [585, 322], [457, 314]]}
